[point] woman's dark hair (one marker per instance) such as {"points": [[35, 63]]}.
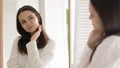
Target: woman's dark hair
{"points": [[109, 13], [25, 36]]}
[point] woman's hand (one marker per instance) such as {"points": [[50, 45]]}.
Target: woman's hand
{"points": [[95, 37], [36, 34]]}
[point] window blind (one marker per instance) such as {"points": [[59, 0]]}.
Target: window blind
{"points": [[82, 30]]}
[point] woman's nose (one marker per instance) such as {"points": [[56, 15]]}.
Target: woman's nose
{"points": [[28, 23]]}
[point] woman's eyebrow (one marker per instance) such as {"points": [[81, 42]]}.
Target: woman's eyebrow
{"points": [[30, 15]]}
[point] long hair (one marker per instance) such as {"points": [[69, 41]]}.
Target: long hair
{"points": [[109, 13], [25, 36]]}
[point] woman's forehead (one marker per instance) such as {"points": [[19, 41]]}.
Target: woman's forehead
{"points": [[25, 14]]}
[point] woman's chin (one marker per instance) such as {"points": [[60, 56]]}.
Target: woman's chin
{"points": [[32, 31]]}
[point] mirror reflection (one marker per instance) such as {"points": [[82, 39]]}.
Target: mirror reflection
{"points": [[42, 42]]}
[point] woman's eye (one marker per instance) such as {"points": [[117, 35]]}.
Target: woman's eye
{"points": [[91, 15], [31, 18], [23, 22]]}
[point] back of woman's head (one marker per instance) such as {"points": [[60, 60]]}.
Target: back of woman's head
{"points": [[109, 12]]}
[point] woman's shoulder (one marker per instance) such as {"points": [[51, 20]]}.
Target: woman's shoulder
{"points": [[15, 41], [112, 38], [111, 41], [50, 44], [51, 41], [17, 38]]}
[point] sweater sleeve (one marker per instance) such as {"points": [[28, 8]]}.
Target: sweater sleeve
{"points": [[39, 58], [107, 54], [12, 62], [84, 60]]}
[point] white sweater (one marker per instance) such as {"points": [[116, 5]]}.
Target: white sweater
{"points": [[107, 54], [35, 58]]}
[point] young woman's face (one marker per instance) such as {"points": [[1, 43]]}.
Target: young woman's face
{"points": [[28, 21], [97, 24]]}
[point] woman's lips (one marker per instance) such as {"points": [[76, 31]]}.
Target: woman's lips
{"points": [[30, 27]]}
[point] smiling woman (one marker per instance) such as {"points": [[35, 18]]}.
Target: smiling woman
{"points": [[28, 21]]}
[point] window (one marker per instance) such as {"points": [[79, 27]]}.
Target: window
{"points": [[82, 29]]}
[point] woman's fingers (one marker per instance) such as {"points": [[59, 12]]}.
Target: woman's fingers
{"points": [[95, 37], [36, 34], [39, 28]]}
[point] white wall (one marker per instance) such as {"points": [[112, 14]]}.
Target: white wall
{"points": [[55, 21], [9, 26], [33, 3]]}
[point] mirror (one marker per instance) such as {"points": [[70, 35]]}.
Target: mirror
{"points": [[53, 14]]}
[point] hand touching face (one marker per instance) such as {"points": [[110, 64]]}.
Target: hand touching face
{"points": [[36, 34], [97, 34]]}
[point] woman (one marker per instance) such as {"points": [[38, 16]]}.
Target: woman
{"points": [[103, 49], [33, 49]]}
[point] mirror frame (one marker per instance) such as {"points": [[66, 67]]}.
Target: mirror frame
{"points": [[1, 33]]}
